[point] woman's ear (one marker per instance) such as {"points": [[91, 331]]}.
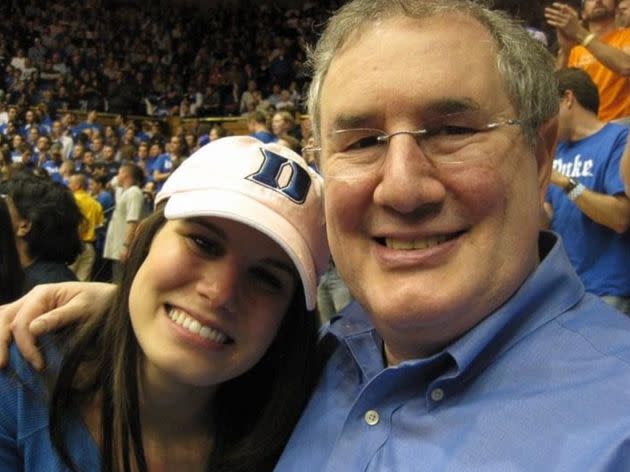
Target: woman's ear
{"points": [[23, 228]]}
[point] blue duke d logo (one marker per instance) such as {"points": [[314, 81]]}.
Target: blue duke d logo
{"points": [[282, 175]]}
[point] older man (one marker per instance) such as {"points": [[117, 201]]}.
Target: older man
{"points": [[472, 345]]}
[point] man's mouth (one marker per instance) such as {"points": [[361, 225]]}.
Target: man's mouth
{"points": [[422, 243], [192, 325]]}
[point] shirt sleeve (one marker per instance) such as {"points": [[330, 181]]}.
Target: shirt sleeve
{"points": [[134, 207], [9, 405], [613, 184]]}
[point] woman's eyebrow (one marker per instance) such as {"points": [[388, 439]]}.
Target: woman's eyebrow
{"points": [[209, 226], [278, 264]]}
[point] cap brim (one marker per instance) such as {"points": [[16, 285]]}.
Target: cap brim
{"points": [[244, 209]]}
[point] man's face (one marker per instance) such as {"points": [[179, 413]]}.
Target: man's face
{"points": [[33, 133], [108, 153], [155, 150], [42, 144], [279, 125], [175, 145], [623, 13], [428, 250], [97, 144], [143, 152], [56, 128], [595, 10], [122, 175]]}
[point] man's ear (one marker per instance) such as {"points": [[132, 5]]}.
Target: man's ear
{"points": [[545, 151], [23, 228]]}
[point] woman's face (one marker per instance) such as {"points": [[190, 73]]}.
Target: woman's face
{"points": [[208, 300]]}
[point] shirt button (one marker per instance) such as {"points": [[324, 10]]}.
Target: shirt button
{"points": [[371, 417], [437, 394]]}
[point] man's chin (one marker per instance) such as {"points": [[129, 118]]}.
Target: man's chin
{"points": [[601, 14]]}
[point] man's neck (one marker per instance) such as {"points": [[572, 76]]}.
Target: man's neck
{"points": [[601, 27], [586, 125]]}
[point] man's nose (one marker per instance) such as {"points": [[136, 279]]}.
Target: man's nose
{"points": [[408, 178]]}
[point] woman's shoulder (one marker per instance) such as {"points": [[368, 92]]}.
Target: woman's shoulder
{"points": [[20, 373], [23, 406]]}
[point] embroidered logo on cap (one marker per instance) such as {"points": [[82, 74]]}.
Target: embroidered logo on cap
{"points": [[282, 175]]}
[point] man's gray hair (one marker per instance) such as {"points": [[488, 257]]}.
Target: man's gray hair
{"points": [[526, 67]]}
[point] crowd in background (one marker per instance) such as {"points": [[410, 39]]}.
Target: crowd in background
{"points": [[155, 60], [166, 60], [71, 59]]}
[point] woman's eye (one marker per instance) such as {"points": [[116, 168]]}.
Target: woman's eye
{"points": [[266, 279], [207, 246]]}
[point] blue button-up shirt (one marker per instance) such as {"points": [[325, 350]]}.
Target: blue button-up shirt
{"points": [[541, 384]]}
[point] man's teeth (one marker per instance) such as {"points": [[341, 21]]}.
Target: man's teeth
{"points": [[182, 319], [417, 244]]}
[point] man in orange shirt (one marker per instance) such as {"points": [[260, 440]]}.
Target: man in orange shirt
{"points": [[602, 50]]}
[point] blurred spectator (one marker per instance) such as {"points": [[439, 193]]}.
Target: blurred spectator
{"points": [[601, 49], [45, 220], [217, 132], [276, 95], [168, 162], [11, 274], [258, 128], [247, 99], [283, 123], [59, 135], [623, 13], [285, 102], [92, 213], [88, 125], [586, 200], [127, 213], [290, 142]]}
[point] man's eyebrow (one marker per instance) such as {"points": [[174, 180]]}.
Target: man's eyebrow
{"points": [[351, 121], [451, 105], [445, 106]]}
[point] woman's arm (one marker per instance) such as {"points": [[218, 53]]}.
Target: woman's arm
{"points": [[47, 308]]}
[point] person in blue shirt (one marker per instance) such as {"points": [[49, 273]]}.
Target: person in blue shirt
{"points": [[471, 343], [166, 163], [258, 125], [214, 316], [586, 203]]}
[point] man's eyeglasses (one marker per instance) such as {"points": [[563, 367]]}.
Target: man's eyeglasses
{"points": [[451, 139]]}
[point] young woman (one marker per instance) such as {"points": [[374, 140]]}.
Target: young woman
{"points": [[206, 356]]}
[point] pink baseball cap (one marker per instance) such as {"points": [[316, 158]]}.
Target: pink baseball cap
{"points": [[265, 186]]}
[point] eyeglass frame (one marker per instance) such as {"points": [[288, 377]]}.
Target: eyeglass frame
{"points": [[386, 137]]}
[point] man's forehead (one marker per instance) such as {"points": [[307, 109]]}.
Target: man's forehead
{"points": [[409, 62]]}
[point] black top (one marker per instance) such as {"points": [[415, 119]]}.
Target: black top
{"points": [[43, 272]]}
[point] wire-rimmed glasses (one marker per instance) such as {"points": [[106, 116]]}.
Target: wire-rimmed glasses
{"points": [[451, 139]]}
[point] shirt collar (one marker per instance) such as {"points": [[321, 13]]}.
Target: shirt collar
{"points": [[550, 290]]}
